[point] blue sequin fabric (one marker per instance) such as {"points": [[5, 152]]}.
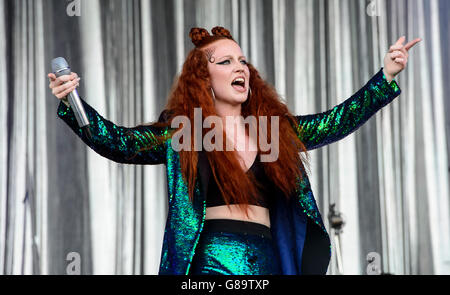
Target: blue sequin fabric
{"points": [[185, 220], [229, 253], [118, 143], [325, 128], [321, 129]]}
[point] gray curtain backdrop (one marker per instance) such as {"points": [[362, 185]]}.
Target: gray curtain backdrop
{"points": [[61, 204]]}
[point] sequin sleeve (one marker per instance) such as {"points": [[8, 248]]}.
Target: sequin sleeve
{"points": [[321, 129], [117, 143]]}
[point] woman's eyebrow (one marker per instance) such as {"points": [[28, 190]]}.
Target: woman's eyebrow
{"points": [[229, 56]]}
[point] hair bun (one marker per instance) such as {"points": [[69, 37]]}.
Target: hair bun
{"points": [[198, 35], [221, 31]]}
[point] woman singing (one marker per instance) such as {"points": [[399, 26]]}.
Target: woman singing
{"points": [[237, 211]]}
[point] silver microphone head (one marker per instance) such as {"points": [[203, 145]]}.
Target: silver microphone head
{"points": [[60, 67]]}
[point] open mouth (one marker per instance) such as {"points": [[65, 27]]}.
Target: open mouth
{"points": [[239, 84]]}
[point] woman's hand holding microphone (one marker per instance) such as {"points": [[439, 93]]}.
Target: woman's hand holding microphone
{"points": [[63, 85]]}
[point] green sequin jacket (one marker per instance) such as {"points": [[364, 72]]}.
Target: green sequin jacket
{"points": [[300, 237]]}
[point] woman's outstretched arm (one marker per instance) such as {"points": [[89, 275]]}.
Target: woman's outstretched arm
{"points": [[117, 143], [321, 129]]}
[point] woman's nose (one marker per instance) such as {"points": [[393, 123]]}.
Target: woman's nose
{"points": [[239, 68]]}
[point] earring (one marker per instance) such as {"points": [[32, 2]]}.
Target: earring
{"points": [[213, 95], [249, 93]]}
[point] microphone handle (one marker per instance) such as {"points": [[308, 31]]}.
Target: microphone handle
{"points": [[77, 108], [80, 114]]}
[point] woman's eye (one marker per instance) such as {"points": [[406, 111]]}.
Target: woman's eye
{"points": [[228, 61]]}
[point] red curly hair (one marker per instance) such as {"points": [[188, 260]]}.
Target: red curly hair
{"points": [[192, 89]]}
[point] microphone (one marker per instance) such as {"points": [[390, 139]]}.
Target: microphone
{"points": [[60, 67]]}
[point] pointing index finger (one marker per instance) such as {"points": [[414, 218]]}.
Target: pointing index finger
{"points": [[412, 43]]}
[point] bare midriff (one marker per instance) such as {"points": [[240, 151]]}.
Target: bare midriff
{"points": [[256, 214]]}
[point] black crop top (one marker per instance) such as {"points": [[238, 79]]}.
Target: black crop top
{"points": [[214, 197]]}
